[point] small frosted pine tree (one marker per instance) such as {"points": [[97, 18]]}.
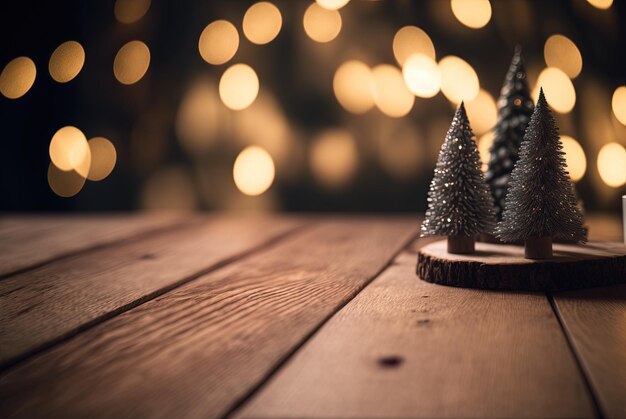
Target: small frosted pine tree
{"points": [[460, 204], [541, 204]]}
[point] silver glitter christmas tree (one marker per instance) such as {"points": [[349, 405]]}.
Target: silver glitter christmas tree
{"points": [[515, 107], [541, 204], [460, 204]]}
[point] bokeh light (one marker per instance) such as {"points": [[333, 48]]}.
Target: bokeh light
{"points": [[391, 95], [262, 22], [199, 118], [332, 4], [421, 75], [612, 164], [66, 61], [400, 150], [459, 81], [69, 150], [353, 83], [411, 40], [482, 112], [218, 42], [474, 14], [557, 88], [253, 171], [239, 86], [320, 24], [618, 104], [17, 77], [103, 158], [484, 144], [601, 4], [130, 11], [574, 157], [64, 183], [171, 188], [131, 62], [333, 157], [559, 51]]}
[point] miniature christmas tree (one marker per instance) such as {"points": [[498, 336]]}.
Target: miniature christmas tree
{"points": [[540, 204], [459, 201], [515, 107]]}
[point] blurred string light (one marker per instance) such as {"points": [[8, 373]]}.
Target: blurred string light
{"points": [[353, 84], [103, 158], [411, 40], [459, 81], [262, 22], [421, 75], [559, 51], [171, 188], [239, 87], [618, 103], [69, 150], [574, 157], [130, 11], [484, 144], [558, 89], [66, 61], [601, 4], [131, 62], [474, 14], [320, 24], [482, 112], [253, 171], [17, 77], [612, 164], [199, 118], [64, 183], [332, 4], [333, 157], [390, 93], [218, 42]]}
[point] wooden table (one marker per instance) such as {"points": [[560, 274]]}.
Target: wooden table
{"points": [[183, 316]]}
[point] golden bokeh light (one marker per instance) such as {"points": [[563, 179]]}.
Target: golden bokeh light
{"points": [[239, 87], [64, 183], [103, 158], [218, 42], [130, 11], [131, 62], [69, 150], [199, 117], [421, 75], [459, 81], [574, 157], [484, 144], [612, 164], [482, 112], [353, 86], [618, 104], [400, 150], [474, 14], [17, 77], [253, 171], [391, 95], [332, 4], [601, 4], [262, 22], [557, 88], [171, 188], [411, 40], [320, 24], [66, 61], [333, 158], [559, 51]]}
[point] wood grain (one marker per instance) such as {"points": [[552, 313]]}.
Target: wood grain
{"points": [[196, 351], [595, 321], [57, 300], [504, 267], [407, 348], [26, 241]]}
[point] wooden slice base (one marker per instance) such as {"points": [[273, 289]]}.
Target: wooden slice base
{"points": [[503, 267]]}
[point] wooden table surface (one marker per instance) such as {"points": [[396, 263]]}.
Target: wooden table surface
{"points": [[196, 316]]}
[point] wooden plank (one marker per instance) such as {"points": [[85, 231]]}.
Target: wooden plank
{"points": [[407, 348], [197, 350], [595, 321], [58, 300], [28, 241]]}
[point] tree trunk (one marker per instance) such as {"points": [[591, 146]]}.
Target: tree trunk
{"points": [[538, 247], [461, 245]]}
